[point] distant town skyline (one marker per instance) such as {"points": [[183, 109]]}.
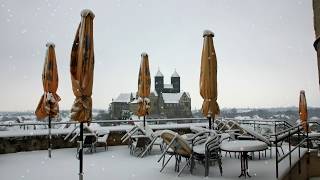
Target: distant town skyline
{"points": [[264, 48]]}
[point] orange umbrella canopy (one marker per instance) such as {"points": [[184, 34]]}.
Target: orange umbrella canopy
{"points": [[81, 68], [208, 77], [144, 82], [48, 105], [303, 110]]}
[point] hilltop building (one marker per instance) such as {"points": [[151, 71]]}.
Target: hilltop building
{"points": [[167, 101]]}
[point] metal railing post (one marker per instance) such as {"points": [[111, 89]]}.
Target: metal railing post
{"points": [[277, 165], [299, 150], [289, 139]]}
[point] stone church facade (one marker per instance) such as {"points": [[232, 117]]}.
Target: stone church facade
{"points": [[167, 101]]}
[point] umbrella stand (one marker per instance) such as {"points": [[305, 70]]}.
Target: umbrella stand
{"points": [[81, 153], [49, 139]]}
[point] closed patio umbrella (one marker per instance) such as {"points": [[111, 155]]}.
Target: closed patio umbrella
{"points": [[48, 105], [81, 68], [303, 110], [208, 78], [144, 82]]}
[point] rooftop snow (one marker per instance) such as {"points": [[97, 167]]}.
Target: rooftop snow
{"points": [[123, 97], [172, 97]]}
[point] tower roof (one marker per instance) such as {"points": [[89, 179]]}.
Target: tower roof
{"points": [[159, 74], [175, 74]]}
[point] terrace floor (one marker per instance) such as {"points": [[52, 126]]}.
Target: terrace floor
{"points": [[116, 163]]}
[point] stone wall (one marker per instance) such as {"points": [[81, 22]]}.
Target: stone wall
{"points": [[32, 143]]}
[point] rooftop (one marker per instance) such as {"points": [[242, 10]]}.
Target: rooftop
{"points": [[173, 97], [123, 97]]}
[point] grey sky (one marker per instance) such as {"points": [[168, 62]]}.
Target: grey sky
{"points": [[264, 48]]}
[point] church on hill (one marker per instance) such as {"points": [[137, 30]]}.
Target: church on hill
{"points": [[167, 100]]}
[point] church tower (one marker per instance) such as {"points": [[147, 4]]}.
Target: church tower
{"points": [[158, 82], [175, 81]]}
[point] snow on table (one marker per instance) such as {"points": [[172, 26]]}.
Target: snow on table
{"points": [[243, 146]]}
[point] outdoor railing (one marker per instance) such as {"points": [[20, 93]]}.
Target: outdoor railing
{"points": [[287, 135], [253, 122], [275, 123], [190, 120]]}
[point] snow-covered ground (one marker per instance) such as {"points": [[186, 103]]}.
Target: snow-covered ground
{"points": [[118, 164]]}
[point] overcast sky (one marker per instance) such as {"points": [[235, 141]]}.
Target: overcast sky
{"points": [[264, 48]]}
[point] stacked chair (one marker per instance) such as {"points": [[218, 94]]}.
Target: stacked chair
{"points": [[142, 139], [204, 148]]}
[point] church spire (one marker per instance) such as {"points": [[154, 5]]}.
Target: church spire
{"points": [[159, 74], [175, 74]]}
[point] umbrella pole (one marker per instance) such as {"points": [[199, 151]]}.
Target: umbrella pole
{"points": [[81, 153], [49, 139], [209, 118], [144, 121], [213, 122]]}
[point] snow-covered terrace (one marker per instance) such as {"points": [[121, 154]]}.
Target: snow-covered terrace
{"points": [[118, 164]]}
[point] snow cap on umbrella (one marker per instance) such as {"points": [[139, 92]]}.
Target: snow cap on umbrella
{"points": [[208, 33], [50, 44], [143, 54], [86, 12]]}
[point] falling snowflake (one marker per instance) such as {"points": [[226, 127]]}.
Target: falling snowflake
{"points": [[9, 10], [2, 5], [23, 31], [102, 169]]}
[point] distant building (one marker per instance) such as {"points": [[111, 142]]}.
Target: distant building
{"points": [[167, 101], [120, 106]]}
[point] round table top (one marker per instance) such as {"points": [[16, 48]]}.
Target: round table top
{"points": [[243, 146]]}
